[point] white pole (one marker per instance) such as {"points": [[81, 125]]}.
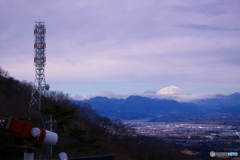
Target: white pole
{"points": [[28, 154]]}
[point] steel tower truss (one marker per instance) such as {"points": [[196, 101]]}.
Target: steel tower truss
{"points": [[39, 61]]}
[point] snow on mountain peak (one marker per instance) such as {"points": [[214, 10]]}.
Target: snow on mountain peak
{"points": [[171, 90]]}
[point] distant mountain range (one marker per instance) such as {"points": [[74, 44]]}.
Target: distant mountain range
{"points": [[220, 101], [137, 107]]}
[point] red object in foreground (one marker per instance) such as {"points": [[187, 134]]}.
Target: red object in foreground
{"points": [[28, 131]]}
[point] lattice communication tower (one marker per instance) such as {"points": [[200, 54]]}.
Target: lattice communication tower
{"points": [[40, 85]]}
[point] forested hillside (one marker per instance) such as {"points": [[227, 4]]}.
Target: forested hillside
{"points": [[82, 132]]}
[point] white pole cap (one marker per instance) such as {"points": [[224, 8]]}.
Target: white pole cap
{"points": [[63, 156]]}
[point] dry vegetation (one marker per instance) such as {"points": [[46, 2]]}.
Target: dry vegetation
{"points": [[82, 132]]}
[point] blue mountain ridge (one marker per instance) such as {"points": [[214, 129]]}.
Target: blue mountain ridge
{"points": [[220, 101], [135, 107]]}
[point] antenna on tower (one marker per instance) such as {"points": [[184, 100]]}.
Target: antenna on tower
{"points": [[40, 85]]}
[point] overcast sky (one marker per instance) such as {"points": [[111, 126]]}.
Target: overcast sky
{"points": [[125, 46]]}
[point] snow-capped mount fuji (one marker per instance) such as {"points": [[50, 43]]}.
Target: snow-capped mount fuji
{"points": [[169, 101], [171, 91]]}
